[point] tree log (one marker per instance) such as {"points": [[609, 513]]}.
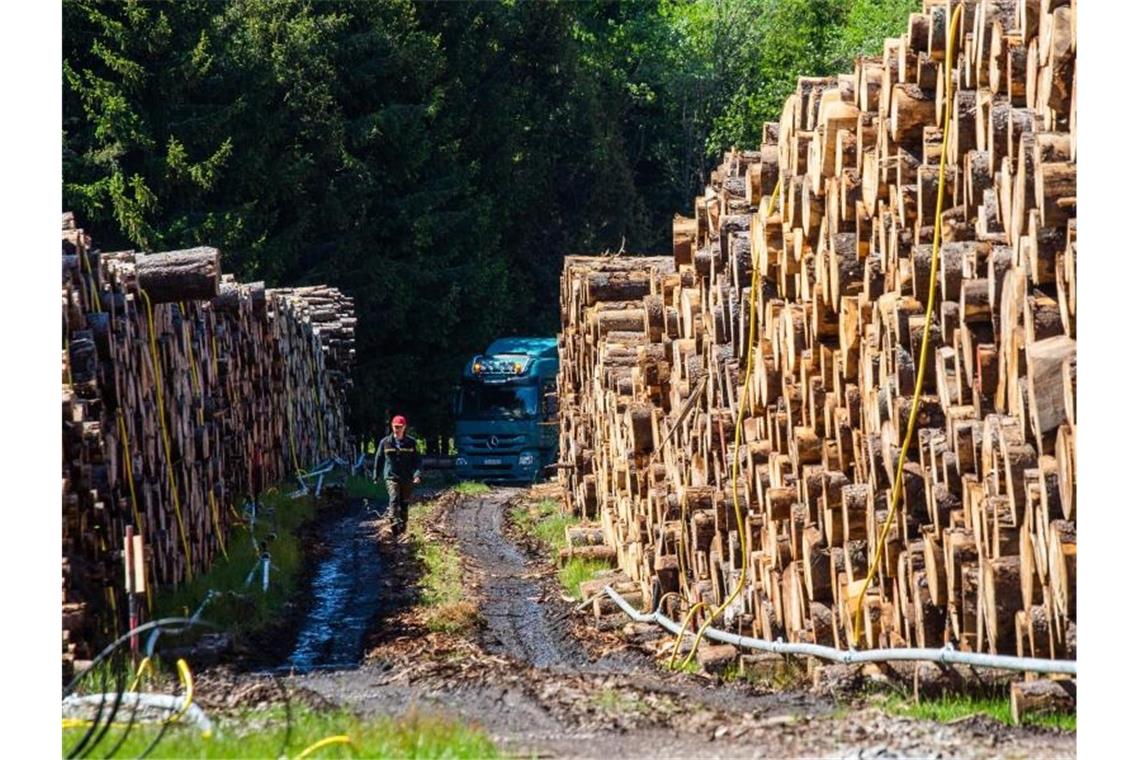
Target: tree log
{"points": [[189, 275]]}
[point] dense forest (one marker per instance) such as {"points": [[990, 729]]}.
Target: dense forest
{"points": [[434, 159]]}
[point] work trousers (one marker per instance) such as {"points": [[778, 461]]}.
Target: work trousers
{"points": [[399, 496]]}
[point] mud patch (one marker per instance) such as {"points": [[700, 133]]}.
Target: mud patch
{"points": [[519, 625], [345, 592]]}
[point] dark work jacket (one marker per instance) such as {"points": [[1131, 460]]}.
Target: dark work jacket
{"points": [[401, 458]]}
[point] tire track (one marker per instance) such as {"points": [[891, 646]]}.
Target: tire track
{"points": [[519, 626]]}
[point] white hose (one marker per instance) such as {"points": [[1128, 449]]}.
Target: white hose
{"points": [[946, 654], [75, 707]]}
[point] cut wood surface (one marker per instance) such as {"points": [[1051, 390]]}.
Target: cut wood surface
{"points": [[184, 394], [982, 554]]}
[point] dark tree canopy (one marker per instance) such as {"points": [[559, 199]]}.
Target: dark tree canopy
{"points": [[436, 160]]}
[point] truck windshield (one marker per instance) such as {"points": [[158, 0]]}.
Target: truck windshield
{"points": [[498, 402]]}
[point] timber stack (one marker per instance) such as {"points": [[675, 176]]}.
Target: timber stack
{"points": [[184, 393], [982, 553]]}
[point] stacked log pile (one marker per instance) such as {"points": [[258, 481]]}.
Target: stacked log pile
{"points": [[183, 392], [982, 553]]}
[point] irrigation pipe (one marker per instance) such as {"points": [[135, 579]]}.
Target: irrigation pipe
{"points": [[198, 385], [153, 638], [317, 472], [166, 702], [169, 622], [944, 655], [326, 742]]}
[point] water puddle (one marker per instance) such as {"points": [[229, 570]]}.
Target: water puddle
{"points": [[345, 597]]}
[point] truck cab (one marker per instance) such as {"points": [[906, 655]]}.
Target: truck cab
{"points": [[506, 426]]}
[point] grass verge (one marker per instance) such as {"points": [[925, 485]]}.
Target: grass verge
{"points": [[471, 488], [411, 736], [952, 708], [545, 522], [681, 666], [577, 570], [238, 606], [442, 593]]}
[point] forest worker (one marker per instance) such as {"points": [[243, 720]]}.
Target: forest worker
{"points": [[401, 456]]}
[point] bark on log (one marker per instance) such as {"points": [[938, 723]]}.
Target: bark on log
{"points": [[1042, 696], [190, 275]]}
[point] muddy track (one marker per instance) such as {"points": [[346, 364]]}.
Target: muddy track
{"points": [[518, 625], [540, 685], [345, 596]]}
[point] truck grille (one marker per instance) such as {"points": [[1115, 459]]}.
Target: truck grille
{"points": [[486, 442]]}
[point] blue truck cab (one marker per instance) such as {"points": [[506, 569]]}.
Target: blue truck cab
{"points": [[506, 426]]}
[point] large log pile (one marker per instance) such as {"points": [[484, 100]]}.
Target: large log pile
{"points": [[183, 391], [983, 550]]}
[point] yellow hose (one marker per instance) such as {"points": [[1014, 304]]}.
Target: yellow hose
{"points": [[317, 403], [327, 741], [143, 666], [67, 350], [896, 486], [202, 422], [90, 279], [745, 538], [187, 679], [292, 445], [165, 435], [680, 636]]}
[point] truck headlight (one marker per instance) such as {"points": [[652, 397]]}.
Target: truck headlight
{"points": [[526, 459]]}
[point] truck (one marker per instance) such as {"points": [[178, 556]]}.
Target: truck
{"points": [[506, 411]]}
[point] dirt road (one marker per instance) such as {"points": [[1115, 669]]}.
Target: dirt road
{"points": [[535, 678], [518, 625]]}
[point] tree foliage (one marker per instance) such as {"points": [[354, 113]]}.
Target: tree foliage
{"points": [[434, 159]]}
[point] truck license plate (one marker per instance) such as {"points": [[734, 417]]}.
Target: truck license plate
{"points": [[490, 460]]}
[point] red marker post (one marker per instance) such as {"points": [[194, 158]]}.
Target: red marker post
{"points": [[134, 568]]}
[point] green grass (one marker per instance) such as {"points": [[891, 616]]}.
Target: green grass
{"points": [[546, 522], [362, 486], [442, 594], [111, 674], [681, 666], [733, 673], [951, 708], [578, 569], [249, 608], [472, 488], [411, 736]]}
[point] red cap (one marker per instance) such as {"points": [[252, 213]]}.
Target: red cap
{"points": [[399, 420]]}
